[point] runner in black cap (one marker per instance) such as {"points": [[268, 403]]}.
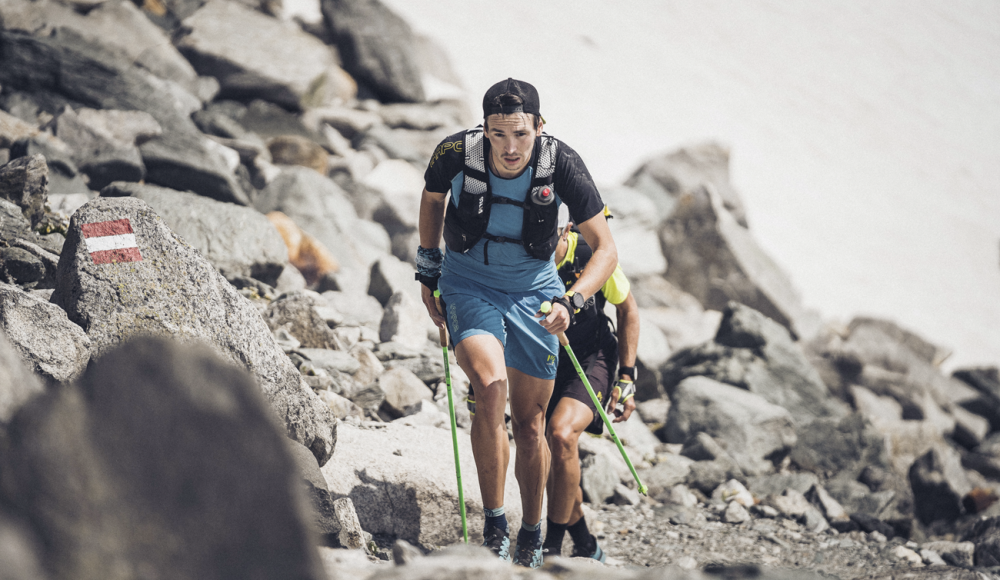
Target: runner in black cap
{"points": [[507, 180]]}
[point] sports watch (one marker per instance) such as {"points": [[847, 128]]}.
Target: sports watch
{"points": [[630, 371], [577, 300]]}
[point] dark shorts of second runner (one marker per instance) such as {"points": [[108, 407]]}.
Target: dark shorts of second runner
{"points": [[600, 369]]}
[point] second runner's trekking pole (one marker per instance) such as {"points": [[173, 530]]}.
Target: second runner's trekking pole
{"points": [[443, 336], [545, 309]]}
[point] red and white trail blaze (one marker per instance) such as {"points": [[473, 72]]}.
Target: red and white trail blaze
{"points": [[111, 241]]}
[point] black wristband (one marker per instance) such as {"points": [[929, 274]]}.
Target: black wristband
{"points": [[429, 281], [630, 371], [564, 300]]}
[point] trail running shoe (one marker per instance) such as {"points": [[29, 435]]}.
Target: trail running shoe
{"points": [[590, 550], [528, 554], [497, 541]]}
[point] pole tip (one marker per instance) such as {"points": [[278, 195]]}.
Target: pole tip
{"points": [[643, 489]]}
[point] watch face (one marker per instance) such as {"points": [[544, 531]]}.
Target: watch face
{"points": [[578, 301]]}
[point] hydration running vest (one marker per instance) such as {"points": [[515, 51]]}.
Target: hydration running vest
{"points": [[466, 224]]}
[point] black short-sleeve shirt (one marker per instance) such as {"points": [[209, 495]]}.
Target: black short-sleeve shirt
{"points": [[572, 181]]}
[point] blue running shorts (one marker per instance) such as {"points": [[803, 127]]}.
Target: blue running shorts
{"points": [[509, 316]]}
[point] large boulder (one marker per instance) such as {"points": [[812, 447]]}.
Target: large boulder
{"points": [[402, 481], [321, 209], [256, 56], [123, 273], [377, 47], [237, 240], [25, 182], [712, 256], [753, 431], [104, 143], [68, 69], [939, 485], [753, 352], [832, 446], [119, 25], [666, 178], [304, 315], [51, 345], [158, 440], [18, 384]]}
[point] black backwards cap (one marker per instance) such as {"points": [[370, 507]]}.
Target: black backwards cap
{"points": [[492, 104]]}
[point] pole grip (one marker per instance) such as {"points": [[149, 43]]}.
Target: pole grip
{"points": [[442, 331]]}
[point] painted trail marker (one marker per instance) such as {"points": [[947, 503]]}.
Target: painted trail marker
{"points": [[110, 242]]}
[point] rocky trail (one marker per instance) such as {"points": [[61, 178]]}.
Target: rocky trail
{"points": [[214, 360]]}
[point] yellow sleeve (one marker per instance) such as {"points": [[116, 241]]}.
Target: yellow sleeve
{"points": [[616, 289]]}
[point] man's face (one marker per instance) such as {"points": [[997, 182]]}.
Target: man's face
{"points": [[512, 138]]}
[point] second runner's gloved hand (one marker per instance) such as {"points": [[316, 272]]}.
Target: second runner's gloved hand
{"points": [[622, 391]]}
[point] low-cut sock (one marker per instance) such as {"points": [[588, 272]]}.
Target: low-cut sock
{"points": [[580, 534], [530, 533], [554, 534], [496, 518]]}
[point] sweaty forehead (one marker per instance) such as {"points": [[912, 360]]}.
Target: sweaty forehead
{"points": [[512, 122]]}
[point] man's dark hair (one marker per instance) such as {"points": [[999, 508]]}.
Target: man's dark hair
{"points": [[509, 101]]}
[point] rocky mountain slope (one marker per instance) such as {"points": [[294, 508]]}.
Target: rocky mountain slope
{"points": [[209, 223]]}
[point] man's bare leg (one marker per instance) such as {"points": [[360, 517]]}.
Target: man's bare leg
{"points": [[567, 423], [529, 397], [481, 357]]}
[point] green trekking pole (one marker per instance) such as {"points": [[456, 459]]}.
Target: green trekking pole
{"points": [[545, 309], [443, 336]]}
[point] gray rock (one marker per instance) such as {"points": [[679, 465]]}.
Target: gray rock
{"points": [[397, 184], [24, 181], [358, 309], [19, 552], [735, 514], [369, 367], [121, 26], [64, 176], [318, 206], [368, 398], [49, 344], [351, 535], [99, 154], [706, 476], [664, 179], [752, 430], [402, 482], [13, 129], [323, 512], [714, 258], [625, 495], [18, 384], [939, 483], [403, 391], [668, 472], [237, 240], [390, 275], [70, 69], [754, 353], [21, 267], [299, 314], [954, 553], [404, 552], [830, 446], [598, 478], [332, 361], [830, 508], [405, 321], [158, 439], [985, 535], [377, 47], [173, 291], [701, 447], [775, 483], [255, 56]]}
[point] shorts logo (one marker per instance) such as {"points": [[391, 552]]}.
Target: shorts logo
{"points": [[551, 360]]}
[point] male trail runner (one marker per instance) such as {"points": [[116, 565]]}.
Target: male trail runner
{"points": [[507, 180], [571, 410]]}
